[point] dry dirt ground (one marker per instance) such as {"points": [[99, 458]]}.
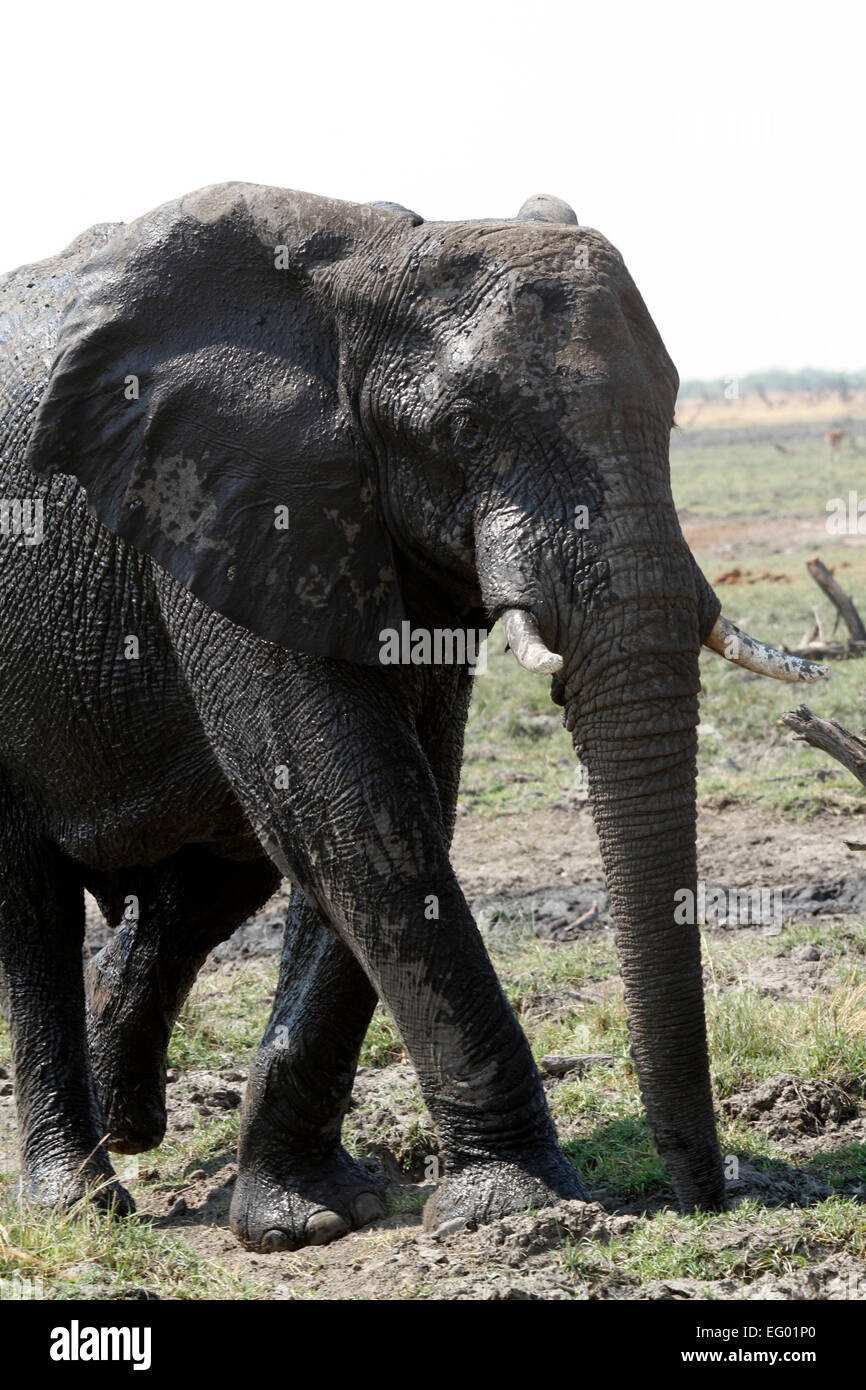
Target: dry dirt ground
{"points": [[737, 844], [529, 1256]]}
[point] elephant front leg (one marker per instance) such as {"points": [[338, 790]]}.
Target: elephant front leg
{"points": [[416, 934], [482, 1087], [327, 762], [296, 1183], [362, 824], [60, 1124]]}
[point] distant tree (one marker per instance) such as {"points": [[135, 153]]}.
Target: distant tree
{"points": [[777, 379]]}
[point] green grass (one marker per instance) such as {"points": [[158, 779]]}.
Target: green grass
{"points": [[87, 1254], [599, 1117], [618, 1153], [222, 1022], [517, 752], [534, 967], [752, 1037], [758, 481], [742, 1244], [383, 1045]]}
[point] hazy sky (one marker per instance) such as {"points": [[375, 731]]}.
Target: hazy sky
{"points": [[719, 146]]}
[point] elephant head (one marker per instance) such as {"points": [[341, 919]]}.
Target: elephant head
{"points": [[442, 416]]}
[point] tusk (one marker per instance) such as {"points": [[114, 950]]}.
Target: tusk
{"points": [[524, 639], [737, 646]]}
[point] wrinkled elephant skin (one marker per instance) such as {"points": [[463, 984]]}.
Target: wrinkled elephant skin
{"points": [[249, 443]]}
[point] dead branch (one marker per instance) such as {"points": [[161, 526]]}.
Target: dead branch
{"points": [[819, 626], [814, 645], [824, 651], [840, 600], [556, 1065], [828, 735], [813, 637]]}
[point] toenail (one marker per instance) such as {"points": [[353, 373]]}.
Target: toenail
{"points": [[366, 1207], [275, 1239], [324, 1226]]}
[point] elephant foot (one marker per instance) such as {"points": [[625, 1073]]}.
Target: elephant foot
{"points": [[62, 1185], [309, 1203], [135, 1117], [481, 1191]]}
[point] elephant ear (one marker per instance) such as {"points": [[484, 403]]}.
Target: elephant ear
{"points": [[196, 396]]}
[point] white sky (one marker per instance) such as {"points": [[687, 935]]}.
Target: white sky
{"points": [[718, 145]]}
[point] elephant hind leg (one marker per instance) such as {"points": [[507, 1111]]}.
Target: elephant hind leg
{"points": [[296, 1184], [60, 1122], [136, 986]]}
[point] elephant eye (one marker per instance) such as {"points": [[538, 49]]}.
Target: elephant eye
{"points": [[469, 428]]}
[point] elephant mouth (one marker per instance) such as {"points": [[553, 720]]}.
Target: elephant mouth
{"points": [[726, 639]]}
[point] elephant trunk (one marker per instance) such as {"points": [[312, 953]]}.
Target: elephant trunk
{"points": [[618, 617], [643, 797], [634, 711]]}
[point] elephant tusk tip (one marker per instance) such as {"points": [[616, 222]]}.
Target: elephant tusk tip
{"points": [[550, 664], [807, 673]]}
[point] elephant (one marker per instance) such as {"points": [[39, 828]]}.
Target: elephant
{"points": [[244, 438]]}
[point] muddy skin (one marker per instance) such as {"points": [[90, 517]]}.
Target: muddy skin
{"points": [[296, 1184], [506, 1188], [487, 1105], [63, 1153], [137, 984], [395, 423]]}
